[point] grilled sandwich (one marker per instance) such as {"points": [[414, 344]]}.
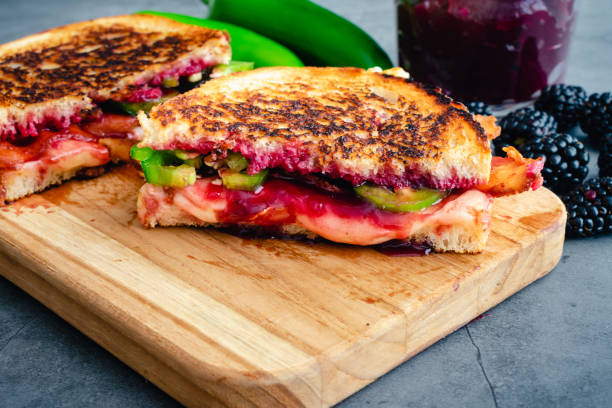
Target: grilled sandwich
{"points": [[69, 96], [352, 156]]}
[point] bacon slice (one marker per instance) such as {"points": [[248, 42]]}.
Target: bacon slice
{"points": [[33, 164], [113, 125], [488, 124], [109, 126], [60, 159], [12, 155], [513, 174]]}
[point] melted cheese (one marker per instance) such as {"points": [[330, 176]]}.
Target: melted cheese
{"points": [[337, 220], [66, 155]]}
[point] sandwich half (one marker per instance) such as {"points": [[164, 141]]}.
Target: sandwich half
{"points": [[352, 156], [69, 96]]}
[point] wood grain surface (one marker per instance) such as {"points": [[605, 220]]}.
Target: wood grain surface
{"points": [[217, 320]]}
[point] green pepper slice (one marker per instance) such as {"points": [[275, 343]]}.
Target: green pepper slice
{"points": [[401, 200], [132, 108], [170, 82], [165, 167], [171, 176], [236, 161], [141, 153], [233, 66], [238, 180]]}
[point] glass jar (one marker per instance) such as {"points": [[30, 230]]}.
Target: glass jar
{"points": [[495, 51]]}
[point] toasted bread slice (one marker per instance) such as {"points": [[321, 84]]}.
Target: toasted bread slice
{"points": [[343, 122], [55, 75]]}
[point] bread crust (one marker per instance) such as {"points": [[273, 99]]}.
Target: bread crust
{"points": [[345, 122], [63, 71], [15, 184]]}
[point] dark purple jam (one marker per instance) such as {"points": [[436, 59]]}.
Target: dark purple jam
{"points": [[402, 248], [495, 51]]}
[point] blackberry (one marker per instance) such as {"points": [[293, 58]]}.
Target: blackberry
{"points": [[605, 156], [564, 102], [479, 108], [597, 119], [589, 208], [566, 160], [522, 125]]}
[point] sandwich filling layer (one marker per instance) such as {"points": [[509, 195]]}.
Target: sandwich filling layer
{"points": [[42, 160], [53, 149], [190, 189], [336, 217]]}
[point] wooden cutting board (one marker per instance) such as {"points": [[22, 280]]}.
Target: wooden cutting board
{"points": [[217, 320]]}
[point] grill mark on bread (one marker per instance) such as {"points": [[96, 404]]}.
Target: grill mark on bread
{"points": [[94, 58], [411, 134]]}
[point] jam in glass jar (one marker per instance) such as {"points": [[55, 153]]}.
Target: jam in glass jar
{"points": [[495, 51]]}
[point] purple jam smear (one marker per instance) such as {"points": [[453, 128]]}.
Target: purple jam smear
{"points": [[496, 51], [145, 94], [153, 89], [403, 248], [51, 119], [295, 159]]}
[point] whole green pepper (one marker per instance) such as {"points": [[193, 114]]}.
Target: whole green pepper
{"points": [[318, 36], [246, 45]]}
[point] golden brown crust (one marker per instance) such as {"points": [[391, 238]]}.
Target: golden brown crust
{"points": [[98, 57], [361, 125]]}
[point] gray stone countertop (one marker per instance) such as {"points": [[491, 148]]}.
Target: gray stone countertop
{"points": [[550, 345]]}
